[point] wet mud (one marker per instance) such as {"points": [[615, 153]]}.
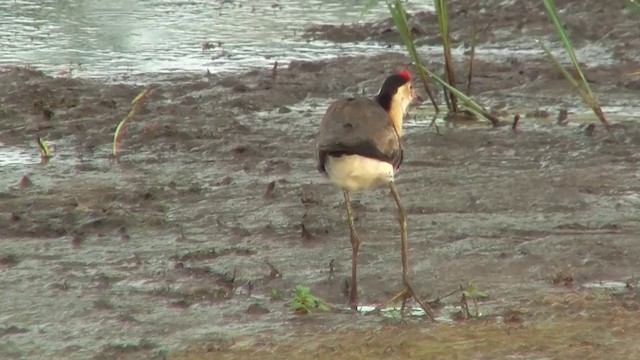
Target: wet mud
{"points": [[499, 23], [190, 244]]}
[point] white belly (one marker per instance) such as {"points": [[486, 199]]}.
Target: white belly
{"points": [[355, 172]]}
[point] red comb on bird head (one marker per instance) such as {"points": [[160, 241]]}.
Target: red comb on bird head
{"points": [[405, 74]]}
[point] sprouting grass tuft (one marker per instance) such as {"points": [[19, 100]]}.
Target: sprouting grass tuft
{"points": [[45, 153], [443, 26], [135, 105], [580, 85], [304, 302], [469, 104], [400, 20], [472, 291]]}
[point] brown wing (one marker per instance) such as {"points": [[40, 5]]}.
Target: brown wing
{"points": [[357, 126]]}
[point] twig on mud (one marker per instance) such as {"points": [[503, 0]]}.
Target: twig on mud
{"points": [[471, 55], [274, 273], [440, 298], [590, 130], [268, 194], [331, 268], [181, 237], [516, 119], [475, 305], [305, 234], [464, 304], [229, 282], [249, 288], [446, 98], [563, 117], [433, 123]]}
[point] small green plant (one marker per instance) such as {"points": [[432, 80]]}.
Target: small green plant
{"points": [[580, 85], [304, 302], [135, 105], [473, 292], [469, 104], [275, 294], [45, 153], [634, 4], [400, 21]]}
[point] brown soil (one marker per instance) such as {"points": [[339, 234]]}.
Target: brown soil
{"points": [[177, 249]]}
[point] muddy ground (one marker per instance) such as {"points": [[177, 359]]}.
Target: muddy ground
{"points": [[190, 244]]}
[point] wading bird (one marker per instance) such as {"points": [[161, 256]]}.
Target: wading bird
{"points": [[359, 147]]}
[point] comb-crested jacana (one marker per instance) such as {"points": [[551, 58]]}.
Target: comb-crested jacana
{"points": [[359, 147]]}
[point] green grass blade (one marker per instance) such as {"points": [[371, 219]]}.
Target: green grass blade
{"points": [[443, 26], [561, 68], [45, 153], [555, 18], [581, 87], [473, 34], [588, 99], [470, 105], [400, 21], [135, 104], [634, 4]]}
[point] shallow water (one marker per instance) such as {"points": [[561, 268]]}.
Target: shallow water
{"points": [[11, 155], [96, 39], [119, 38]]}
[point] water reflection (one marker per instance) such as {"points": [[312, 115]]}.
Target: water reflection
{"points": [[99, 38]]}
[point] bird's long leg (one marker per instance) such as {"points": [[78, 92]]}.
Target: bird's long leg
{"points": [[355, 245], [407, 291]]}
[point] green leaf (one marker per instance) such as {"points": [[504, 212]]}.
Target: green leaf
{"points": [[469, 104], [473, 292], [305, 302], [581, 87], [634, 4], [555, 18], [400, 21]]}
